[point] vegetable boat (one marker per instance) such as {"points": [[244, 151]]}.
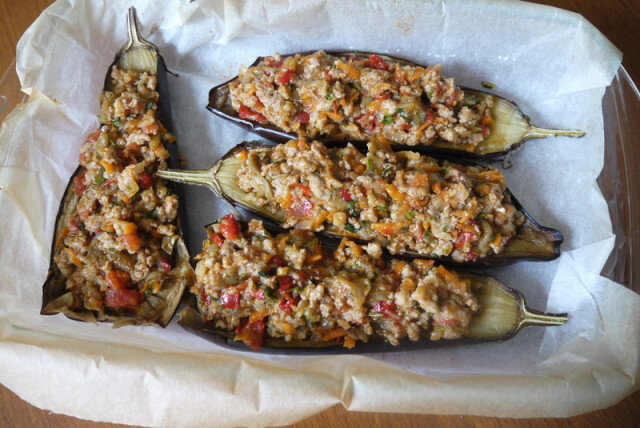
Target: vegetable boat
{"points": [[288, 293], [530, 240], [150, 246], [507, 127]]}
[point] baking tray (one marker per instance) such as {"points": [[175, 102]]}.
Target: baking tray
{"points": [[618, 180]]}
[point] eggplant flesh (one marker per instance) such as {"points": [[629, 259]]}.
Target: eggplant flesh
{"points": [[510, 129], [531, 242], [501, 315], [158, 308]]}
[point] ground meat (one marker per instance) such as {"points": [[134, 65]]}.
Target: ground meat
{"points": [[361, 97], [307, 292]]}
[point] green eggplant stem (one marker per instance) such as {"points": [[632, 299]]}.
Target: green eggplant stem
{"points": [[535, 132], [533, 317]]}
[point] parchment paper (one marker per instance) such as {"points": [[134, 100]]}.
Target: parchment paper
{"points": [[553, 63]]}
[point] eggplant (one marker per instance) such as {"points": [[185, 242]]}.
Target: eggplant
{"points": [[511, 127], [156, 308], [501, 315], [531, 242]]}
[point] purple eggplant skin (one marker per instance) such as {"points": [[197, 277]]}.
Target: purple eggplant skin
{"points": [[220, 105], [157, 311], [531, 242], [191, 319]]}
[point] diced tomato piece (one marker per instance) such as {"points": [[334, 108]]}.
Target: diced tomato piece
{"points": [[278, 260], [205, 298], [78, 185], [285, 77], [471, 256], [285, 282], [217, 238], [125, 298], [419, 232], [304, 277], [146, 181], [165, 264], [378, 63], [132, 241], [382, 96], [258, 294], [388, 310], [271, 62], [91, 138], [229, 227], [485, 131], [117, 279], [246, 113], [405, 126], [251, 333], [301, 208], [438, 87], [429, 117], [305, 190], [285, 304], [230, 298], [345, 195], [303, 117], [463, 239], [73, 225]]}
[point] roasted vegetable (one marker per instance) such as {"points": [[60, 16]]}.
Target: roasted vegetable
{"points": [[506, 126], [345, 297], [531, 241], [121, 299]]}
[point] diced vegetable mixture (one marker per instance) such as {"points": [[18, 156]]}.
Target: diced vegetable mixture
{"points": [[118, 247], [402, 200], [289, 287], [360, 97]]}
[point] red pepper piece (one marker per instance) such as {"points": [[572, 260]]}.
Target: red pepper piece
{"points": [[78, 185], [345, 195], [121, 298], [285, 304], [285, 77], [258, 294], [205, 298], [230, 299], [117, 279], [285, 282], [229, 227], [217, 238], [278, 260], [251, 333], [382, 96], [303, 117], [376, 62], [73, 225], [165, 264], [463, 239], [146, 182], [246, 113], [305, 190], [388, 310]]}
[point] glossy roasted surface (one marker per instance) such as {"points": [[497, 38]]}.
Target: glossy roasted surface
{"points": [[618, 21]]}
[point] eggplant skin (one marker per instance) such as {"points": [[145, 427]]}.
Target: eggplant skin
{"points": [[220, 105], [502, 314], [531, 242]]}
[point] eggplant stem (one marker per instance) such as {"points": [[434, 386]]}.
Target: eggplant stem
{"points": [[535, 132], [135, 39], [533, 317], [203, 177]]}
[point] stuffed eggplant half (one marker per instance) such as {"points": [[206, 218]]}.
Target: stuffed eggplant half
{"points": [[117, 252], [288, 291], [345, 96], [411, 204]]}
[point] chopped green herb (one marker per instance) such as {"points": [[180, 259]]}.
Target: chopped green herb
{"points": [[151, 105], [387, 120], [445, 227], [357, 86], [488, 85], [387, 171], [351, 205], [263, 273], [365, 223], [382, 208], [116, 122], [470, 101], [427, 236], [350, 227], [374, 314], [99, 179], [410, 214], [403, 114], [483, 215], [245, 276], [328, 95], [446, 170], [369, 165], [439, 327]]}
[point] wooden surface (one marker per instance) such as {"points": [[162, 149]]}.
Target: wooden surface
{"points": [[618, 20]]}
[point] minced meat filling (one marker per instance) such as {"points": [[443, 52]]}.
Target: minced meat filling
{"points": [[119, 243], [402, 200], [359, 98], [289, 287]]}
